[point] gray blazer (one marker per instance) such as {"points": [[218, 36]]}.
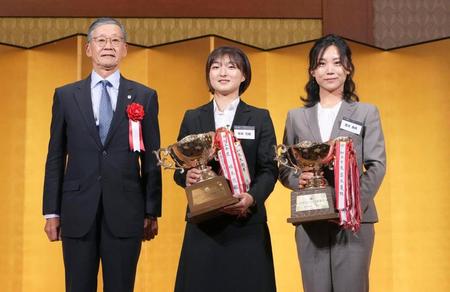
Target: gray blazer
{"points": [[302, 124]]}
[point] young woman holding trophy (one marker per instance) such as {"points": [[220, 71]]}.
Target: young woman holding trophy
{"points": [[332, 256], [230, 252]]}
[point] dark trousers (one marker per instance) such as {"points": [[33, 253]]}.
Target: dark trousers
{"points": [[82, 256]]}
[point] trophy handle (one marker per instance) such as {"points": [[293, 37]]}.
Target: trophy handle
{"points": [[162, 155], [281, 152], [330, 155]]}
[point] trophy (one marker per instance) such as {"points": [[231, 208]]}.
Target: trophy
{"points": [[317, 200], [212, 192]]}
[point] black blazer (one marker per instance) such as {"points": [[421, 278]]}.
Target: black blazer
{"points": [[258, 152], [80, 171]]}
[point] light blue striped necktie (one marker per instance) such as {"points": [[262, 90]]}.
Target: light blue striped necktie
{"points": [[105, 111]]}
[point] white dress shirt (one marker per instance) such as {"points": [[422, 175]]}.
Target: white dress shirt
{"points": [[225, 118], [326, 117]]}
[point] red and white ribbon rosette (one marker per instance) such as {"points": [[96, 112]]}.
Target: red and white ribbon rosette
{"points": [[346, 183], [232, 161], [135, 113]]}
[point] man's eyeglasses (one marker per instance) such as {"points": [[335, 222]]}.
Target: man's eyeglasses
{"points": [[101, 41]]}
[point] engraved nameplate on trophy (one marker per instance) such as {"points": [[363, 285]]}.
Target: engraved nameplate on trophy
{"points": [[212, 192]]}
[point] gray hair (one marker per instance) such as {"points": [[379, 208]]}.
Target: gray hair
{"points": [[102, 21]]}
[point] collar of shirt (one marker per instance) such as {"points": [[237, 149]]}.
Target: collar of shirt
{"points": [[225, 118], [230, 108], [96, 91], [333, 109], [326, 118], [114, 79]]}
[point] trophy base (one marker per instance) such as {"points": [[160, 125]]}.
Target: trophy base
{"points": [[207, 197], [313, 204]]}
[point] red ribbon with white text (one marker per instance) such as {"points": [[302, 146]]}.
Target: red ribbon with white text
{"points": [[232, 161], [136, 114], [346, 179]]}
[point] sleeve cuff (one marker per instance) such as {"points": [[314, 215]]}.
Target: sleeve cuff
{"points": [[49, 216]]}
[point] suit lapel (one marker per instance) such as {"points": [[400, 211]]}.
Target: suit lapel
{"points": [[84, 101], [346, 110], [125, 91], [242, 116], [313, 123], [207, 123]]}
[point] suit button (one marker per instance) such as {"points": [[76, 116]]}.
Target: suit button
{"points": [[104, 152]]}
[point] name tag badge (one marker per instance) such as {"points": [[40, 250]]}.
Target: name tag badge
{"points": [[351, 126], [244, 132]]}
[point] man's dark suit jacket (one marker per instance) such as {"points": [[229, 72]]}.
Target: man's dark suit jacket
{"points": [[80, 171], [259, 152]]}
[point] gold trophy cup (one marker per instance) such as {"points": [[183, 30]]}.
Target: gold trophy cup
{"points": [[212, 192], [317, 200]]}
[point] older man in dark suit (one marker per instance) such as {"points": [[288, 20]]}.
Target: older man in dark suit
{"points": [[102, 189]]}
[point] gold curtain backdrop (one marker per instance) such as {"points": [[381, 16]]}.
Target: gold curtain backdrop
{"points": [[409, 85], [147, 32]]}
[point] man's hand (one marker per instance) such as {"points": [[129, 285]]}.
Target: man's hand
{"points": [[240, 209], [150, 228], [53, 229]]}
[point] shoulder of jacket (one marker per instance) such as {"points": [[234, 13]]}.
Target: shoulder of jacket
{"points": [[298, 110], [139, 86], [366, 107], [259, 111], [195, 111], [70, 86]]}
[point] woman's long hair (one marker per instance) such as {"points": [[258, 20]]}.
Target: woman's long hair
{"points": [[312, 88]]}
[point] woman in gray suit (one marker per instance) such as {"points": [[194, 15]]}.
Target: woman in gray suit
{"points": [[333, 258]]}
